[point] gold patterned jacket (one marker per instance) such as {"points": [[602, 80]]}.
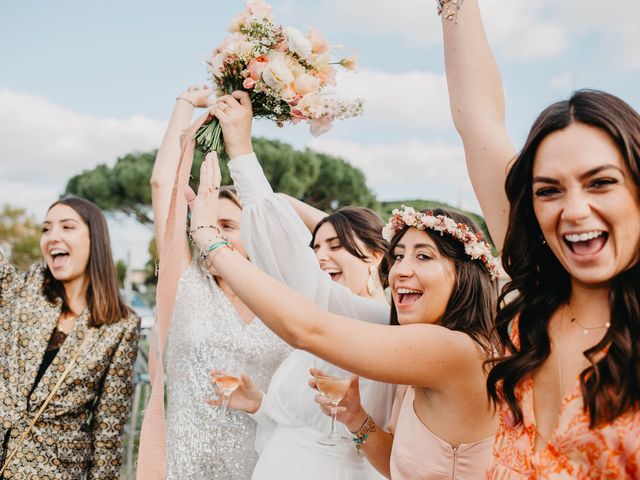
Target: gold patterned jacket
{"points": [[79, 434]]}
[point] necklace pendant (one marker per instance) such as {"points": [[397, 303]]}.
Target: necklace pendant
{"points": [[585, 331], [607, 324]]}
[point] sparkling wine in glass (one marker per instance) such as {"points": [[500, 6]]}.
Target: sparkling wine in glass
{"points": [[226, 383], [333, 383]]}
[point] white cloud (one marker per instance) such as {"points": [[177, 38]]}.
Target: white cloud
{"points": [[45, 144], [409, 169], [42, 145], [519, 28], [415, 99]]}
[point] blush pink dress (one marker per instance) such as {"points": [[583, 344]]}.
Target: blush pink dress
{"points": [[418, 454]]}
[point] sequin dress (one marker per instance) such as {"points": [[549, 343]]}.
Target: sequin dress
{"points": [[205, 333]]}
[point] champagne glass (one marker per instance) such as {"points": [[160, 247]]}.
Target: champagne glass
{"points": [[332, 382], [226, 383]]}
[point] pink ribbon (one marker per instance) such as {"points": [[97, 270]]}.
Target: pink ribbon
{"points": [[152, 456]]}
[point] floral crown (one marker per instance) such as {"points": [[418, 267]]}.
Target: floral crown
{"points": [[474, 244]]}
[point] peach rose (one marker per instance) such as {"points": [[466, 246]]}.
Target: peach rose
{"points": [[256, 67], [305, 84], [277, 74], [319, 43]]}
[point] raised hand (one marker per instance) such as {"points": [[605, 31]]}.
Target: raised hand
{"points": [[197, 96], [350, 411], [204, 205], [235, 114], [247, 397]]}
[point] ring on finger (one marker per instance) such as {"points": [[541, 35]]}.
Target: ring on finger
{"points": [[213, 189]]}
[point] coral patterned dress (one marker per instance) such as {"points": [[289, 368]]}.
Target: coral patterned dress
{"points": [[574, 451]]}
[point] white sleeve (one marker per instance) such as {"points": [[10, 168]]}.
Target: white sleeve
{"points": [[277, 241]]}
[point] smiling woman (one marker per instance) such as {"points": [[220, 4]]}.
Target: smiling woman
{"points": [[568, 390], [67, 334]]}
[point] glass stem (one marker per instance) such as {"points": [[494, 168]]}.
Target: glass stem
{"points": [[334, 419], [225, 404]]}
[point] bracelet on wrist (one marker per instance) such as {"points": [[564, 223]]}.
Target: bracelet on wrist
{"points": [[213, 245], [186, 100], [449, 9], [199, 227], [362, 434]]}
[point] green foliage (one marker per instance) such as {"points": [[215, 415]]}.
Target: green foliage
{"points": [[124, 187], [121, 272], [324, 181], [21, 234]]}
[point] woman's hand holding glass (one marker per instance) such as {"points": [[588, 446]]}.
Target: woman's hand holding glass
{"points": [[246, 396], [349, 411]]}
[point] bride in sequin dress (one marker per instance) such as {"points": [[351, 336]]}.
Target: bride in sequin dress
{"points": [[341, 277], [210, 328]]}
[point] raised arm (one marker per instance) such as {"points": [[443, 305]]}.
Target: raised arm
{"points": [[273, 233], [477, 105], [423, 355], [164, 168], [311, 216]]}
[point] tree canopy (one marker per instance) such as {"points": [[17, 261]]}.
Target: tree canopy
{"points": [[321, 180], [20, 236]]}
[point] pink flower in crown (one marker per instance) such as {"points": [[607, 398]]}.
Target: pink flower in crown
{"points": [[319, 43], [256, 67], [248, 83]]}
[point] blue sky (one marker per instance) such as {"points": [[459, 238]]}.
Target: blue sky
{"points": [[84, 82]]}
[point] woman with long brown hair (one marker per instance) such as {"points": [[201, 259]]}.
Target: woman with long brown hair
{"points": [[68, 346], [568, 390], [443, 285]]}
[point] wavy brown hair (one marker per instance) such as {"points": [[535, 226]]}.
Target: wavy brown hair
{"points": [[539, 284], [103, 297], [358, 224], [472, 306]]}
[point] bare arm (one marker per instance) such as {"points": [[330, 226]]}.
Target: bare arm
{"points": [[422, 355], [311, 216], [164, 168], [477, 105]]}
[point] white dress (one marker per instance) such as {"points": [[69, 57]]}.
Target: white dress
{"points": [[290, 421], [205, 333]]}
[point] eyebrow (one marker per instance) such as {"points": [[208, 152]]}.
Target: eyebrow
{"points": [[585, 175], [47, 222], [418, 246], [328, 240]]}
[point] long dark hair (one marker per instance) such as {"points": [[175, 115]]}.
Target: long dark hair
{"points": [[539, 284], [472, 305], [353, 224], [103, 297]]}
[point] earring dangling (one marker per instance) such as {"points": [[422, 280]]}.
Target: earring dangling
{"points": [[373, 281]]}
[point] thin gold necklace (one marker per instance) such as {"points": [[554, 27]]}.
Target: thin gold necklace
{"points": [[586, 330]]}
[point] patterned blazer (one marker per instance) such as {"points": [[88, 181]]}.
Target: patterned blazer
{"points": [[79, 434]]}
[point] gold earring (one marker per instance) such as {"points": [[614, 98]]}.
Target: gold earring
{"points": [[373, 281]]}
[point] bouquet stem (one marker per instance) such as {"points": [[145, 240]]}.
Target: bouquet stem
{"points": [[209, 137]]}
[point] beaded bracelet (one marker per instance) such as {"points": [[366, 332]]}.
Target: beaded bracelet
{"points": [[361, 435], [186, 100], [195, 229]]}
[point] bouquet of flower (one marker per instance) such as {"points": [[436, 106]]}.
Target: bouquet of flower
{"points": [[284, 72]]}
